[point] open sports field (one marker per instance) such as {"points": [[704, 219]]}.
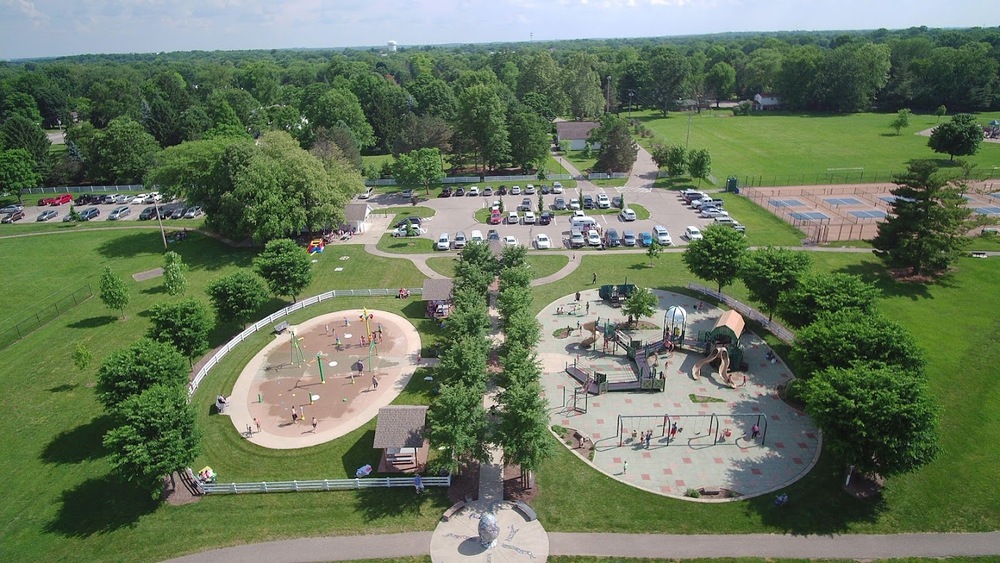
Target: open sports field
{"points": [[790, 149]]}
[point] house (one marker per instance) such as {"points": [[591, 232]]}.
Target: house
{"points": [[399, 433], [437, 294], [762, 102], [573, 135], [356, 216]]}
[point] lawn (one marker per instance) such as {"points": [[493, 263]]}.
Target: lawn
{"points": [[789, 149], [405, 245], [541, 265], [66, 506]]}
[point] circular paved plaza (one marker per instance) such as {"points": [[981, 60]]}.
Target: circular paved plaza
{"points": [[713, 448]]}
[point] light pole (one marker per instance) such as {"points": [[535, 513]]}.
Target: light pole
{"points": [[630, 94], [687, 142], [163, 235]]}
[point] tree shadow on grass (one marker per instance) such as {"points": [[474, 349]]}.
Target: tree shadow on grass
{"points": [[100, 505], [876, 274], [62, 388], [378, 503], [156, 289], [83, 443], [130, 245], [93, 322]]}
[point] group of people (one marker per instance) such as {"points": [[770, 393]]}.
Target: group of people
{"points": [[403, 293]]}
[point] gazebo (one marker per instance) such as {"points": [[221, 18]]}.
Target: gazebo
{"points": [[437, 294], [399, 433], [727, 332]]}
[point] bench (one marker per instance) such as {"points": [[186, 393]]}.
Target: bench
{"points": [[580, 438], [526, 510], [451, 512], [281, 327]]}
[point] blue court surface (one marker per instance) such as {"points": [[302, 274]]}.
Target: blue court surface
{"points": [[785, 202], [987, 210], [869, 214], [842, 201], [808, 215]]}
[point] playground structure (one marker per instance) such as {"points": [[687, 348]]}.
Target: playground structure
{"points": [[666, 427], [646, 356], [722, 345], [316, 246], [616, 294]]}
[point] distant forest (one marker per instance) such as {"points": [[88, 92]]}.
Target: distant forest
{"points": [[486, 104]]}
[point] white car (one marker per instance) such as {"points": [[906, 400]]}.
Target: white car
{"points": [[627, 214], [557, 188], [603, 202], [593, 238], [708, 211], [579, 213], [529, 218], [192, 212], [406, 194], [474, 190], [509, 241], [155, 197], [574, 203], [487, 191], [529, 189], [728, 221], [443, 243], [141, 198], [700, 202], [460, 240], [513, 218], [662, 236], [515, 190], [692, 233], [125, 198], [542, 242]]}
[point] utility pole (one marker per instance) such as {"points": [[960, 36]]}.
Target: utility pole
{"points": [[630, 94]]}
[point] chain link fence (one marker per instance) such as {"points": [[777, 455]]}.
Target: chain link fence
{"points": [[38, 319]]}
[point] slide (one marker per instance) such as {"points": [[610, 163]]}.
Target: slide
{"points": [[724, 367], [696, 371]]}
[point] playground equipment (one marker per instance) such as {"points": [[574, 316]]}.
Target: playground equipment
{"points": [[666, 425], [297, 356], [316, 246], [675, 325], [722, 343], [616, 294]]}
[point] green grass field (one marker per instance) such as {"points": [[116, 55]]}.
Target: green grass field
{"points": [[789, 149], [541, 265], [61, 502]]}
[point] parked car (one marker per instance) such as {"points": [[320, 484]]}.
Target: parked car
{"points": [[107, 199], [44, 201], [61, 199], [617, 202], [13, 216], [192, 212], [525, 204], [588, 202], [627, 214], [492, 235], [139, 199], [645, 238], [529, 189], [409, 230], [155, 197], [662, 235], [149, 213], [495, 218], [459, 191], [629, 238], [443, 242], [367, 193], [546, 190], [512, 218], [559, 204], [730, 222], [11, 209], [529, 218], [460, 240], [545, 218], [542, 241], [476, 236], [574, 203], [474, 191], [406, 194], [46, 215], [510, 241], [557, 188], [86, 199], [487, 191], [502, 190], [593, 238], [402, 222], [709, 211], [119, 213], [89, 213], [692, 233], [603, 201], [515, 190], [125, 198], [69, 217], [576, 239], [612, 238], [445, 192]]}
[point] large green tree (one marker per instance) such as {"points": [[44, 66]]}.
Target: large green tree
{"points": [[19, 132], [459, 429], [819, 293], [285, 266], [522, 422], [420, 167], [718, 256], [878, 419], [926, 231], [482, 125], [114, 291], [155, 435], [699, 164], [339, 106], [642, 303], [122, 152], [238, 296], [721, 80], [17, 172], [173, 273], [529, 140], [130, 371], [184, 324], [618, 150], [959, 137], [582, 86], [770, 272]]}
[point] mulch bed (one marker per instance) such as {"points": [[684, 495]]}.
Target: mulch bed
{"points": [[865, 486], [466, 484], [177, 495]]}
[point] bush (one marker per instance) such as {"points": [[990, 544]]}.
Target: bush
{"points": [[693, 493], [743, 108]]}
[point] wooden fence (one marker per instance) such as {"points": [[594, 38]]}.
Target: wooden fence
{"points": [[321, 485], [747, 311]]}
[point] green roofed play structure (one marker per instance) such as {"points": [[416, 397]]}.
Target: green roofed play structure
{"points": [[722, 345], [616, 294]]}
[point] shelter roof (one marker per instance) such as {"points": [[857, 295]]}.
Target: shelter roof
{"points": [[437, 289], [400, 426], [731, 320], [575, 129]]}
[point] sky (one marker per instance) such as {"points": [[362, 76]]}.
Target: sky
{"points": [[46, 28]]}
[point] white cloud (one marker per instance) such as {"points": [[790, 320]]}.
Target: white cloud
{"points": [[27, 8]]}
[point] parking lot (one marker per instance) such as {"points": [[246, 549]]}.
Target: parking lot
{"points": [[457, 214], [33, 211]]}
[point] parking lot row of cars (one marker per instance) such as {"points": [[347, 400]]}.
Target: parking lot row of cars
{"points": [[530, 189], [17, 212], [710, 208]]}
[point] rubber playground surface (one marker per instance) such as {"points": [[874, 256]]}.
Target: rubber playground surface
{"points": [[713, 448], [286, 376]]}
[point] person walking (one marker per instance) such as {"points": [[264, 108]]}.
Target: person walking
{"points": [[257, 422], [594, 281], [327, 328], [315, 422], [374, 382], [625, 468], [295, 416], [588, 307]]}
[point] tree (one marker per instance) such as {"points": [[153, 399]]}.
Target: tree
{"points": [[721, 80], [529, 140], [123, 152], [82, 356], [768, 273], [718, 256], [173, 273], [878, 419], [423, 132], [669, 71], [130, 371], [676, 160], [238, 296], [465, 360], [285, 266], [959, 137], [840, 338], [339, 106], [926, 230], [940, 112], [511, 258], [642, 303], [819, 293], [523, 420], [421, 167], [17, 172], [902, 120], [114, 292], [184, 324], [653, 252], [19, 132], [458, 426], [482, 125], [851, 75], [618, 150], [156, 435], [582, 86], [475, 270], [699, 164]]}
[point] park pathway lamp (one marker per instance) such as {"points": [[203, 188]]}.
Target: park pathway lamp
{"points": [[163, 235]]}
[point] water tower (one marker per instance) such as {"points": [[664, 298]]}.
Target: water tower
{"points": [[392, 46]]}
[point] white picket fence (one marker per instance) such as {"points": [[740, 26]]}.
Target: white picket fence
{"points": [[604, 176], [84, 189], [773, 327], [268, 322], [475, 179], [321, 485]]}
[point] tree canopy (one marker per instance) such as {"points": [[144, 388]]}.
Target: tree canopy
{"points": [[285, 266], [718, 256], [113, 291], [238, 296], [959, 137], [770, 272], [819, 293], [184, 324], [130, 371]]}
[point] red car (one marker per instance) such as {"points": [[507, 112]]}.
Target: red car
{"points": [[495, 218], [45, 201], [59, 200]]}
